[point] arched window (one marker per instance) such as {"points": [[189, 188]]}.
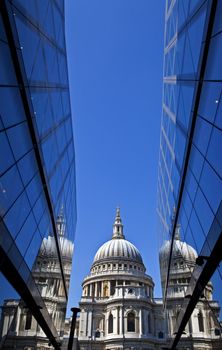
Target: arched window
{"points": [[97, 334], [131, 322], [105, 290], [160, 335], [200, 321], [110, 324]]}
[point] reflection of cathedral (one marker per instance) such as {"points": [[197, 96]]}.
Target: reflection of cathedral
{"points": [[118, 309], [18, 328]]}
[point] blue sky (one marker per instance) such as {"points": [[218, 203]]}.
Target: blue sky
{"points": [[115, 58]]}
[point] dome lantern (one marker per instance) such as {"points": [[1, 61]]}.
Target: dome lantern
{"points": [[118, 226]]}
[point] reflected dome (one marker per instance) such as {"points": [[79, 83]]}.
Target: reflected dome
{"points": [[48, 247], [180, 249]]}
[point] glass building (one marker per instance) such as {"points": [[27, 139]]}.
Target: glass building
{"points": [[190, 162], [37, 171]]}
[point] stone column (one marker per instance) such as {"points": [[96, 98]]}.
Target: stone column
{"points": [[5, 324], [18, 320], [117, 319], [86, 324], [96, 289], [140, 323], [154, 325], [89, 329], [102, 289], [121, 320]]}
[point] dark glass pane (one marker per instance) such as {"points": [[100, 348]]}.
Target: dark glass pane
{"points": [[202, 135], [195, 35], [38, 74], [210, 96], [7, 73], [218, 19], [33, 249], [29, 41], [214, 69], [20, 140], [203, 211], [2, 30], [39, 207], [7, 158], [27, 167], [34, 189], [214, 150], [24, 237], [28, 8], [51, 63], [11, 187], [11, 110], [17, 215], [211, 186]]}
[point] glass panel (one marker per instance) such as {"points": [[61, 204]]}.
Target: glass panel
{"points": [[212, 153], [7, 73], [20, 140], [27, 167], [9, 193], [24, 236], [214, 69], [210, 96], [29, 41], [7, 158], [17, 215], [11, 110]]}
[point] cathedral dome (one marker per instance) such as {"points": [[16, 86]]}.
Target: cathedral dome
{"points": [[180, 249], [118, 247], [48, 247]]}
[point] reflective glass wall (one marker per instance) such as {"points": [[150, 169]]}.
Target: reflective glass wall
{"points": [[190, 166], [37, 166]]}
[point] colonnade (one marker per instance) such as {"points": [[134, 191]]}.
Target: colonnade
{"points": [[102, 289]]}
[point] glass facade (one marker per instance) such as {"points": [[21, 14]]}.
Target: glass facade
{"points": [[37, 160], [190, 166]]}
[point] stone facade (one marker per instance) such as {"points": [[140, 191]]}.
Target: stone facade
{"points": [[118, 308]]}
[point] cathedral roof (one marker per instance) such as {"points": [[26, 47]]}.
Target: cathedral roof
{"points": [[180, 249], [118, 247], [48, 246]]}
